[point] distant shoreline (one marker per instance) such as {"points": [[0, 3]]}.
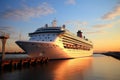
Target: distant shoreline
{"points": [[112, 54]]}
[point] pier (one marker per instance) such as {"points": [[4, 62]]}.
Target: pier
{"points": [[15, 63]]}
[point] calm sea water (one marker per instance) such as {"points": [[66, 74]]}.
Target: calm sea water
{"points": [[97, 67]]}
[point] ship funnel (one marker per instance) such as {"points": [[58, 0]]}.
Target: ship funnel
{"points": [[54, 23], [79, 33], [46, 25]]}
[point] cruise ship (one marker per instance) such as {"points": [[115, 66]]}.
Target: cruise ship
{"points": [[56, 43]]}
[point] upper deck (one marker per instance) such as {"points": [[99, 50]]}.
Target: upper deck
{"points": [[48, 30]]}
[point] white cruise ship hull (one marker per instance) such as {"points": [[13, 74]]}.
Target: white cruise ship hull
{"points": [[51, 50]]}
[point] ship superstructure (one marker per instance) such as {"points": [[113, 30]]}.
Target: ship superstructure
{"points": [[56, 43]]}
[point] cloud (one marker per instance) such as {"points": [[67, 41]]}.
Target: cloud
{"points": [[102, 25], [77, 23], [113, 14], [107, 25], [27, 12], [96, 32], [11, 31], [99, 28], [70, 2], [7, 29]]}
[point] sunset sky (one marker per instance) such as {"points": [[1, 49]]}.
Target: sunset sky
{"points": [[99, 20]]}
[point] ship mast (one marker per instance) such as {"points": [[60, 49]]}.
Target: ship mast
{"points": [[54, 23]]}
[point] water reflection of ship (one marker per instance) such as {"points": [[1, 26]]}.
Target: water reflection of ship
{"points": [[74, 69]]}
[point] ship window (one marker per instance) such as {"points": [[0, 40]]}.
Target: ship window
{"points": [[53, 34]]}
